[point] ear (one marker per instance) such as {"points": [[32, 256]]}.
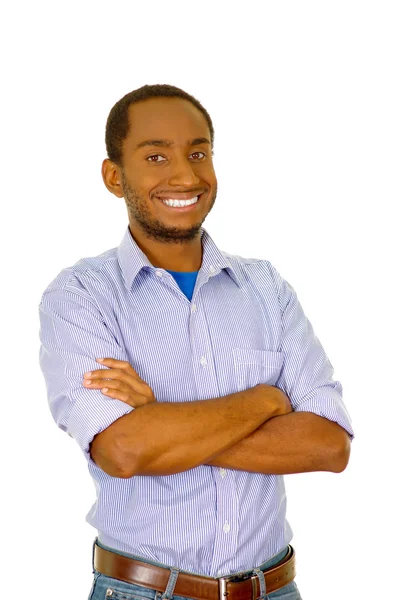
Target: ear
{"points": [[112, 177]]}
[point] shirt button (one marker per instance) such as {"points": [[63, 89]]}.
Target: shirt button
{"points": [[194, 308], [203, 360], [212, 269], [223, 473], [219, 573], [159, 274], [226, 527]]}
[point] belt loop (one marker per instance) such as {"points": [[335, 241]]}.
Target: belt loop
{"points": [[262, 584], [93, 554], [169, 590]]}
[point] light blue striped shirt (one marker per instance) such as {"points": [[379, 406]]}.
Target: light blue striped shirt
{"points": [[238, 324]]}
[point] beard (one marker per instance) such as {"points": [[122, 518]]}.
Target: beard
{"points": [[154, 229]]}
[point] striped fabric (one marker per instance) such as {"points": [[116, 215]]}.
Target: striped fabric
{"points": [[244, 325]]}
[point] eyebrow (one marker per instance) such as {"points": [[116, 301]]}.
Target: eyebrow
{"points": [[168, 143]]}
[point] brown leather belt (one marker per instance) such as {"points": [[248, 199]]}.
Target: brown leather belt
{"points": [[234, 586]]}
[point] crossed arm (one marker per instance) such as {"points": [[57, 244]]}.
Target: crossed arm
{"points": [[254, 430], [295, 443], [166, 438], [299, 442]]}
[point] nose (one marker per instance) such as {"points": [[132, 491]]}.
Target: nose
{"points": [[183, 174]]}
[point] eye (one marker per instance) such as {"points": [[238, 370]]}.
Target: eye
{"points": [[154, 156], [198, 153], [158, 155]]}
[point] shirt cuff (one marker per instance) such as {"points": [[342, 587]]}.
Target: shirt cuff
{"points": [[329, 405], [88, 418]]}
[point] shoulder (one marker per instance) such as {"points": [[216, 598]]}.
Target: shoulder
{"points": [[81, 280], [262, 277], [257, 270]]}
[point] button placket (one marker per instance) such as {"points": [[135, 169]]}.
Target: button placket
{"points": [[203, 363], [226, 527], [225, 543]]}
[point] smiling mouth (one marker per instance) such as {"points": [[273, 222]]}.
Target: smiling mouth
{"points": [[184, 208]]}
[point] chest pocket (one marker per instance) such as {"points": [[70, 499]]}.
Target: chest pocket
{"points": [[252, 367]]}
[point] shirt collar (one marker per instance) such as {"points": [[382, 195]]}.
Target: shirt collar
{"points": [[132, 259]]}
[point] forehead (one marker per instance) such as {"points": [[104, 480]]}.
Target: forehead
{"points": [[171, 118]]}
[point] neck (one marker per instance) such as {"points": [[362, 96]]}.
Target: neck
{"points": [[184, 256]]}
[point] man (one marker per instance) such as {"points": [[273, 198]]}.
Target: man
{"points": [[190, 378]]}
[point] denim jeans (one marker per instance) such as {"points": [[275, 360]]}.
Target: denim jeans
{"points": [[107, 588]]}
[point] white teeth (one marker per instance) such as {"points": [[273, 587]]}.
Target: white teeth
{"points": [[181, 202]]}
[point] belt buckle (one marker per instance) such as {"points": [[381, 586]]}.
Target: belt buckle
{"points": [[236, 577]]}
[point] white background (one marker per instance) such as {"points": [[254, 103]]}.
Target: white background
{"points": [[303, 99]]}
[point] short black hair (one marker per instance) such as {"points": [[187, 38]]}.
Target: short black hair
{"points": [[117, 123]]}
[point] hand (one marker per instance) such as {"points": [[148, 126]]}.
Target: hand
{"points": [[279, 401], [285, 406], [120, 382]]}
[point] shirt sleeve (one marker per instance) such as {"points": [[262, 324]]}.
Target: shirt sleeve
{"points": [[307, 374], [73, 335]]}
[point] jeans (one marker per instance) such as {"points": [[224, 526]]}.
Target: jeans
{"points": [[107, 588]]}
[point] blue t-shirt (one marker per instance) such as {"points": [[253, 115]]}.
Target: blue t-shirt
{"points": [[186, 281]]}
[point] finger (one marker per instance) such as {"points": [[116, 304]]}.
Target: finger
{"points": [[113, 389], [108, 383], [116, 394], [112, 373], [135, 383], [115, 373], [114, 362], [120, 364], [125, 397], [131, 387]]}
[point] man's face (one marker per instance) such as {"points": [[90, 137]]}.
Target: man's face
{"points": [[179, 171]]}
